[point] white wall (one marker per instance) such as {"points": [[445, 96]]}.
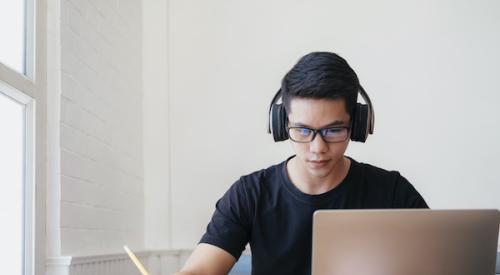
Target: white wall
{"points": [[213, 67], [156, 125], [102, 200], [430, 67]]}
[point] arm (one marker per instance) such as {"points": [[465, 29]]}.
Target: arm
{"points": [[227, 234], [208, 259]]}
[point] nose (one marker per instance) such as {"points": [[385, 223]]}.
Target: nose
{"points": [[318, 145]]}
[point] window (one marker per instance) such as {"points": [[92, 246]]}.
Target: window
{"points": [[19, 92], [16, 179], [12, 179], [16, 30]]}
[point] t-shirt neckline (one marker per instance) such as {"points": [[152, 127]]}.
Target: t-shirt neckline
{"points": [[319, 198]]}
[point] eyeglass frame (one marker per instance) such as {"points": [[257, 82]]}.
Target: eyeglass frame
{"points": [[316, 131]]}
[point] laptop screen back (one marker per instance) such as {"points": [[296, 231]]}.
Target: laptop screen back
{"points": [[395, 242]]}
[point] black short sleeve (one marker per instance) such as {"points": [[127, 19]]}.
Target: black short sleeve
{"points": [[230, 226]]}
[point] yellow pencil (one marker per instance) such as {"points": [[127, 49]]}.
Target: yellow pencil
{"points": [[136, 261]]}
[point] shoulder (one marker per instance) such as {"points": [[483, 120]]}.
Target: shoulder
{"points": [[247, 192], [389, 184], [261, 180], [371, 174]]}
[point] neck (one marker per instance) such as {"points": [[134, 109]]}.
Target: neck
{"points": [[312, 185]]}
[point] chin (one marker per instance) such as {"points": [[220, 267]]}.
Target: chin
{"points": [[319, 173]]}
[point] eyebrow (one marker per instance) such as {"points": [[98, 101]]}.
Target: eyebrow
{"points": [[335, 123]]}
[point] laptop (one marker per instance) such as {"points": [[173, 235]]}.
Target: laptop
{"points": [[405, 242]]}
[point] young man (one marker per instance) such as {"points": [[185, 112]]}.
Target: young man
{"points": [[272, 209]]}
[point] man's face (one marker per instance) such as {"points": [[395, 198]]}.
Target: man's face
{"points": [[317, 158]]}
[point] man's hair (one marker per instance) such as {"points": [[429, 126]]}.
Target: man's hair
{"points": [[321, 75]]}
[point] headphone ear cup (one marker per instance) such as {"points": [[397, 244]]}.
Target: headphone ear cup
{"points": [[278, 122], [359, 131]]}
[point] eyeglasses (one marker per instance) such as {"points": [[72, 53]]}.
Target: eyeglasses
{"points": [[329, 135]]}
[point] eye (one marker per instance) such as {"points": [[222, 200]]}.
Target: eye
{"points": [[303, 131], [333, 132]]}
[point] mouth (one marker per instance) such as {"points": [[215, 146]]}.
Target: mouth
{"points": [[318, 163]]}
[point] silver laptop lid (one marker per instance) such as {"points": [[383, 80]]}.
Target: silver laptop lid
{"points": [[405, 242]]}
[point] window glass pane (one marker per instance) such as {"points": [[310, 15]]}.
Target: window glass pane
{"points": [[12, 125], [12, 34]]}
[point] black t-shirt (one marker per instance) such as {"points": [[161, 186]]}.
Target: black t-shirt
{"points": [[266, 210]]}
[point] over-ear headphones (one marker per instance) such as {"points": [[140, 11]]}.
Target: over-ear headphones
{"points": [[363, 119]]}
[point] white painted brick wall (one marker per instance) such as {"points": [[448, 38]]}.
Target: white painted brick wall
{"points": [[102, 200]]}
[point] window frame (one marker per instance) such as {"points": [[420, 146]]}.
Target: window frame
{"points": [[29, 39]]}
